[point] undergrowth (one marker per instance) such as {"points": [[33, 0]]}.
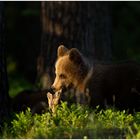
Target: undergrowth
{"points": [[76, 121]]}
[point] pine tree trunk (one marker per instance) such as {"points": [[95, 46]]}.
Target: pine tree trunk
{"points": [[84, 25], [4, 96]]}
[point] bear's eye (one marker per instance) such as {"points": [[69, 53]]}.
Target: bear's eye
{"points": [[62, 76]]}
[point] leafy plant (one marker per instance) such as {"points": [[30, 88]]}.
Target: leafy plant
{"points": [[75, 121], [22, 123]]}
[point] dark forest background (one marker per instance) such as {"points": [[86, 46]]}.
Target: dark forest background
{"points": [[24, 37]]}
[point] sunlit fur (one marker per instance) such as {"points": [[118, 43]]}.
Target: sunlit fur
{"points": [[73, 73]]}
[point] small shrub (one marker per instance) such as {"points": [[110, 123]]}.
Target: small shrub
{"points": [[75, 116], [22, 123], [110, 118], [75, 121]]}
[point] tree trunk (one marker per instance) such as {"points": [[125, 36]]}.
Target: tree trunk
{"points": [[83, 25], [4, 96]]}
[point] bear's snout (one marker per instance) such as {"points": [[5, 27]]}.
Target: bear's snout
{"points": [[53, 89]]}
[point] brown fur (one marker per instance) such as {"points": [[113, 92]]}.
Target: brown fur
{"points": [[114, 84], [71, 65]]}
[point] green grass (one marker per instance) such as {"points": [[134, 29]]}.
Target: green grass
{"points": [[75, 121]]}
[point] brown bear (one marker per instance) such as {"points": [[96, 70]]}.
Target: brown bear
{"points": [[99, 84]]}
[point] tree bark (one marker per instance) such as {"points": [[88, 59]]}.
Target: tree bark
{"points": [[4, 96], [83, 25]]}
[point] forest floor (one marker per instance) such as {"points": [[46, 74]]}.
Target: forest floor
{"points": [[75, 121]]}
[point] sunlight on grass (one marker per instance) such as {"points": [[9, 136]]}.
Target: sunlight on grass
{"points": [[75, 121]]}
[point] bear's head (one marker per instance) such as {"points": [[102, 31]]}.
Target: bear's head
{"points": [[70, 68]]}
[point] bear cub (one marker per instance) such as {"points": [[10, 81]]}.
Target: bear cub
{"points": [[98, 84]]}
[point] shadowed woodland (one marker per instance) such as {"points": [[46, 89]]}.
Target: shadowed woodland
{"points": [[31, 32]]}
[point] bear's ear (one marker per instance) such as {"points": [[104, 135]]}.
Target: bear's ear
{"points": [[75, 56], [61, 51]]}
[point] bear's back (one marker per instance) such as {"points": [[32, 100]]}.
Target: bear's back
{"points": [[114, 81]]}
